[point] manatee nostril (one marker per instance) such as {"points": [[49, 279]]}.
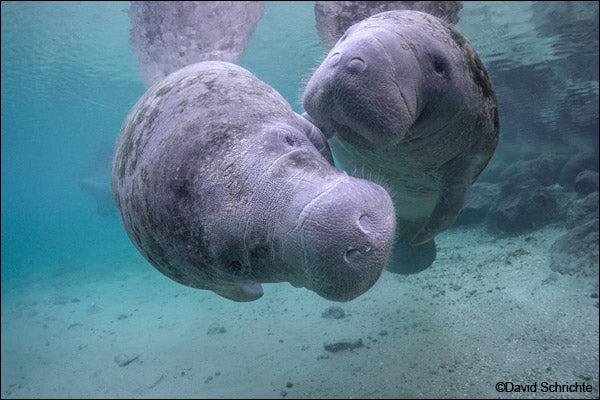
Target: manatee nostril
{"points": [[365, 223], [334, 59], [351, 254], [356, 65]]}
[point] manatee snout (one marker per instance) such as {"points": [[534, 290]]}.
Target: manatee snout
{"points": [[344, 237], [368, 98]]}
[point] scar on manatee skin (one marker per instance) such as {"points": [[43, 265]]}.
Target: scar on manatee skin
{"points": [[163, 90], [456, 36], [480, 77]]}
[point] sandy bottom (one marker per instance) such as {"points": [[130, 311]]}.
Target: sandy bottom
{"points": [[489, 310]]}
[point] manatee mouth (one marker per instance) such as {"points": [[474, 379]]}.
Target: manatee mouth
{"points": [[350, 135], [371, 128], [355, 138]]}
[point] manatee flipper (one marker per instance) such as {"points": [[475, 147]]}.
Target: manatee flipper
{"points": [[454, 181], [316, 137], [241, 293], [407, 259]]}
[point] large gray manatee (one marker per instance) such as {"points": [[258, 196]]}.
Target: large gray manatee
{"points": [[403, 96], [220, 188]]}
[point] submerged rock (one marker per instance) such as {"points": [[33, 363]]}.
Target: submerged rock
{"points": [[576, 165], [124, 360], [586, 182], [346, 344], [583, 210], [523, 210], [214, 330], [481, 198], [333, 313], [545, 169], [576, 252]]}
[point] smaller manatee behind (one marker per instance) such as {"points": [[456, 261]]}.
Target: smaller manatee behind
{"points": [[168, 35], [220, 186], [334, 17]]}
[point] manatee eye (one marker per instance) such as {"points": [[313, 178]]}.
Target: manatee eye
{"points": [[440, 66], [290, 139], [286, 136]]}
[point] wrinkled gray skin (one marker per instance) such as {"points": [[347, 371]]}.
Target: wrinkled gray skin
{"points": [[403, 96], [219, 187], [334, 17]]}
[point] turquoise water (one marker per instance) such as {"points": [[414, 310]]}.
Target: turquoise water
{"points": [[69, 77]]}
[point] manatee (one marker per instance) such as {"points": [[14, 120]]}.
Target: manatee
{"points": [[94, 179], [168, 35], [99, 187], [334, 17], [404, 97], [220, 188]]}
